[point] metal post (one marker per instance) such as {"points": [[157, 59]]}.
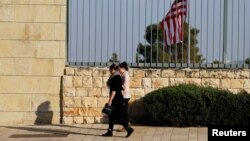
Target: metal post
{"points": [[189, 33], [225, 31]]}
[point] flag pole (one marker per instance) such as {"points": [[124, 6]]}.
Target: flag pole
{"points": [[225, 31]]}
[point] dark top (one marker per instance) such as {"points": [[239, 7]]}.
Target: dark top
{"points": [[116, 85]]}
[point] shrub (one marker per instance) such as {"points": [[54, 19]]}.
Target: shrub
{"points": [[191, 105]]}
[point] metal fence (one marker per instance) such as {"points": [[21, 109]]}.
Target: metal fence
{"points": [[216, 34]]}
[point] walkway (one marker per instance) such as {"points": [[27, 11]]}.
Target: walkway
{"points": [[92, 132]]}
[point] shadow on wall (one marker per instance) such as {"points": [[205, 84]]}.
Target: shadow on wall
{"points": [[136, 111], [44, 114]]}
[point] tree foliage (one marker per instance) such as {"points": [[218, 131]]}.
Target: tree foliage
{"points": [[155, 52]]}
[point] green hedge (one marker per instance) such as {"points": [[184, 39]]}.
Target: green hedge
{"points": [[191, 105]]}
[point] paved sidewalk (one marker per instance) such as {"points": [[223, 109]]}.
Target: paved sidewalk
{"points": [[92, 132]]}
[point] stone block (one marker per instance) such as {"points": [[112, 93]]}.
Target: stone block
{"points": [[77, 120], [246, 83], [69, 71], [169, 73], [6, 48], [160, 82], [97, 82], [135, 82], [176, 81], [104, 82], [242, 74], [11, 30], [137, 92], [42, 67], [6, 12], [237, 83], [195, 81], [105, 92], [50, 13], [19, 49], [138, 73], [211, 82], [60, 31], [180, 73], [88, 120], [69, 92], [204, 74], [153, 73], [95, 112], [45, 103], [67, 81], [68, 102], [146, 83], [82, 92], [225, 83], [48, 49], [11, 118], [77, 81], [148, 90], [26, 84], [86, 71], [101, 101], [60, 2], [15, 102], [95, 92], [63, 16], [87, 82], [193, 73], [230, 74], [89, 102], [62, 49], [68, 120], [77, 101], [99, 72], [101, 119]]}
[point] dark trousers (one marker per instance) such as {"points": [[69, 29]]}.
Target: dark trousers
{"points": [[126, 100], [117, 115]]}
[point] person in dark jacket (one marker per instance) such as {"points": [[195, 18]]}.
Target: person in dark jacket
{"points": [[116, 101]]}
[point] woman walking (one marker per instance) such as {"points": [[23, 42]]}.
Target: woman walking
{"points": [[123, 69], [116, 101]]}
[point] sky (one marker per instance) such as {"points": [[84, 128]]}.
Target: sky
{"points": [[99, 28]]}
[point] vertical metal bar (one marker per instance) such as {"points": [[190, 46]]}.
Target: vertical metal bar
{"points": [[201, 27], [114, 26], [151, 30], [176, 52], [89, 30], [126, 44], [213, 28], [182, 45], [170, 50], [232, 32], [95, 27], [120, 37], [157, 38], [220, 32], [139, 25], [132, 23], [189, 33], [244, 32], [195, 25], [207, 31], [108, 32], [225, 31], [76, 39], [83, 31], [69, 30], [101, 28], [238, 48], [145, 46], [164, 44]]}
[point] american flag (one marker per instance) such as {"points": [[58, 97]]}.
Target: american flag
{"points": [[172, 22]]}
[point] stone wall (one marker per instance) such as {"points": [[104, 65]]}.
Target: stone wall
{"points": [[32, 60], [85, 91]]}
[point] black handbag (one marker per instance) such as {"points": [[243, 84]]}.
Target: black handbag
{"points": [[107, 109]]}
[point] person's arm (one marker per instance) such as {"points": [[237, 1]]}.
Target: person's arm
{"points": [[112, 95]]}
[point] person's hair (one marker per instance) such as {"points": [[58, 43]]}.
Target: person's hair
{"points": [[124, 65], [113, 66]]}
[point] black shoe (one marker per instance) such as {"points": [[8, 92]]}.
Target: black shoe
{"points": [[130, 131], [108, 134]]}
